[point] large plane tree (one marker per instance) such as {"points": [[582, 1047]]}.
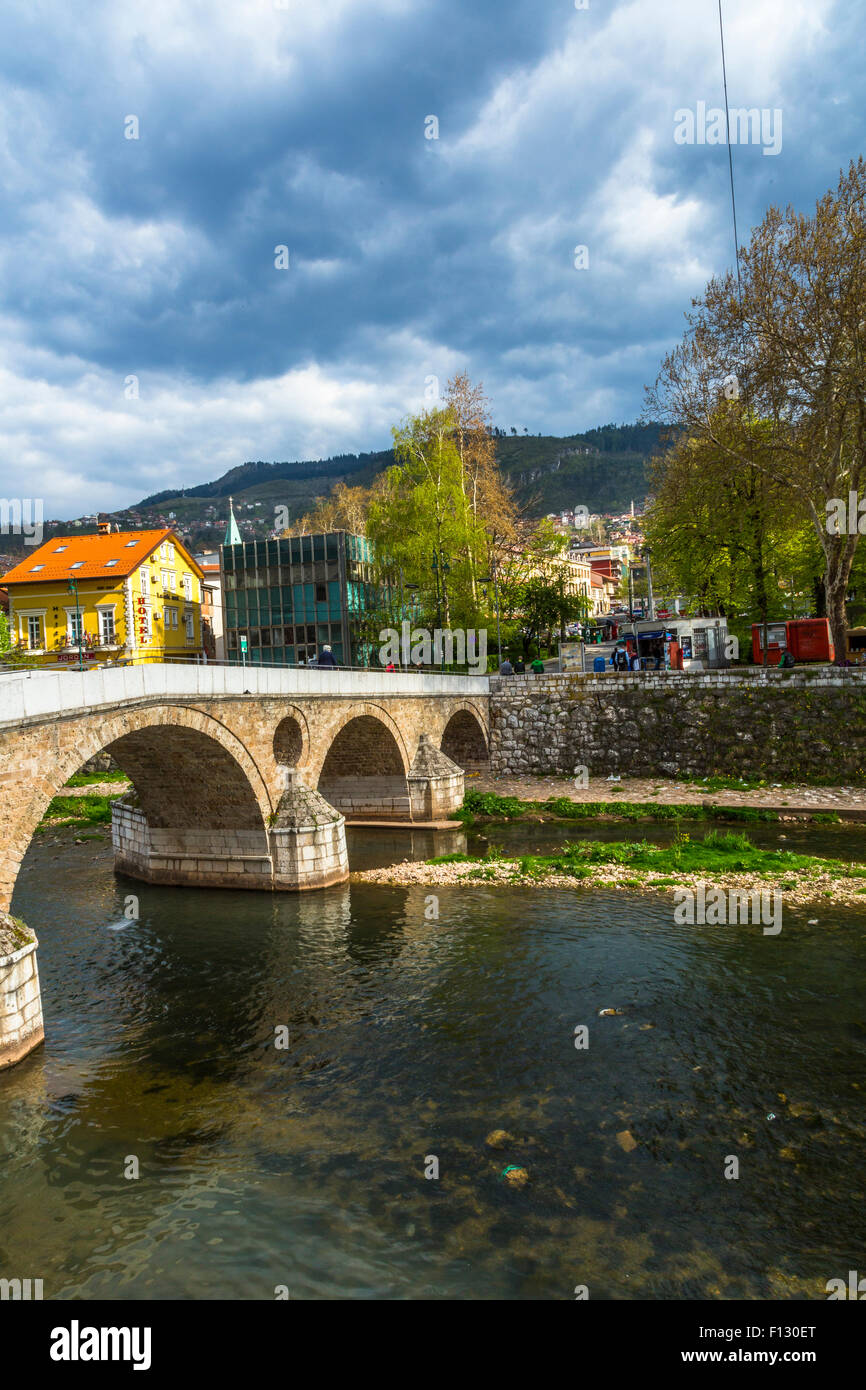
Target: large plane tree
{"points": [[780, 351]]}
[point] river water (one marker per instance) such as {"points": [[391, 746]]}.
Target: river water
{"points": [[411, 1040]]}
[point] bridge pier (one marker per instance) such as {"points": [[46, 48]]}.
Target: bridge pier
{"points": [[435, 783], [21, 1027], [308, 841], [304, 848]]}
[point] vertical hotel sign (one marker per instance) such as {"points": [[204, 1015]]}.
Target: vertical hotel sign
{"points": [[141, 620]]}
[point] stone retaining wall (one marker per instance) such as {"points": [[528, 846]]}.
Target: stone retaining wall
{"points": [[808, 723]]}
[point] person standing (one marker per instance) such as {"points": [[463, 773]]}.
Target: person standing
{"points": [[326, 657]]}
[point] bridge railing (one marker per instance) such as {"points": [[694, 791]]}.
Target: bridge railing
{"points": [[42, 694], [123, 663]]}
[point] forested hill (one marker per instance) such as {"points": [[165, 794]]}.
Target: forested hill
{"points": [[248, 475], [603, 469]]}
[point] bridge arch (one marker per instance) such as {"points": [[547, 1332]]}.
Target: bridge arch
{"points": [[364, 770], [465, 738], [185, 767]]}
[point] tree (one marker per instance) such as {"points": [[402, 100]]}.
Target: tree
{"points": [[487, 496], [420, 525], [344, 509], [714, 527], [784, 351]]}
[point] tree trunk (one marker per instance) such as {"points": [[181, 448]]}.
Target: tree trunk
{"points": [[836, 590]]}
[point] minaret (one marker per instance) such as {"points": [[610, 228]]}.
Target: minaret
{"points": [[233, 535]]}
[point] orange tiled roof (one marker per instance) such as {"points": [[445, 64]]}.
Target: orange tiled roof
{"points": [[90, 554]]}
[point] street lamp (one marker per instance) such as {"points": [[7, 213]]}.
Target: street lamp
{"points": [[441, 566], [651, 609], [495, 583]]}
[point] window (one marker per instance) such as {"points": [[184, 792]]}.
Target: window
{"points": [[171, 618], [145, 584], [321, 593], [190, 627], [76, 564], [59, 549], [75, 626], [129, 544], [34, 634], [187, 587], [34, 568], [109, 563], [106, 627]]}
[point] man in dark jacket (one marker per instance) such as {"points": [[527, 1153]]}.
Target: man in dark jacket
{"points": [[327, 657]]}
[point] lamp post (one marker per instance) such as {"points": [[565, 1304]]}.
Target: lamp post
{"points": [[441, 566], [412, 600], [73, 589], [650, 604], [494, 579]]}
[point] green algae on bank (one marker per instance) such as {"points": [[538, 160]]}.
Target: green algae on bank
{"points": [[727, 860]]}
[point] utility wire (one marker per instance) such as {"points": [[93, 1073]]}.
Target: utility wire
{"points": [[730, 154]]}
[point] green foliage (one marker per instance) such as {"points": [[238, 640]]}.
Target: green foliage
{"points": [[78, 810], [89, 779], [718, 853], [491, 806], [420, 514]]}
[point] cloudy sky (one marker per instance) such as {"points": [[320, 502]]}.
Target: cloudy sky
{"points": [[149, 264]]}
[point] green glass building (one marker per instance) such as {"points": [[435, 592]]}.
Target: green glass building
{"points": [[292, 596]]}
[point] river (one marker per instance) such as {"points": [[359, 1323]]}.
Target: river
{"points": [[410, 1040]]}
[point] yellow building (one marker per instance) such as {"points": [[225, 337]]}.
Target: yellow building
{"points": [[118, 596]]}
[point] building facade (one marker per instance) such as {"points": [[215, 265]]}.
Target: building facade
{"points": [[213, 633], [117, 596], [287, 598]]}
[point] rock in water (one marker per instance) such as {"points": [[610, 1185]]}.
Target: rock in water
{"points": [[498, 1139], [626, 1140], [514, 1176]]}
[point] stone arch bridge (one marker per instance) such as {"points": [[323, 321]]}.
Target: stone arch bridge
{"points": [[218, 756], [242, 777]]}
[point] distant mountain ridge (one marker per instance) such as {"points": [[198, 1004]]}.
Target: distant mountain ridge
{"points": [[247, 475], [604, 469]]}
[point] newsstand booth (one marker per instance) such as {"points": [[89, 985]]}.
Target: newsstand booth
{"points": [[685, 644], [807, 639]]}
